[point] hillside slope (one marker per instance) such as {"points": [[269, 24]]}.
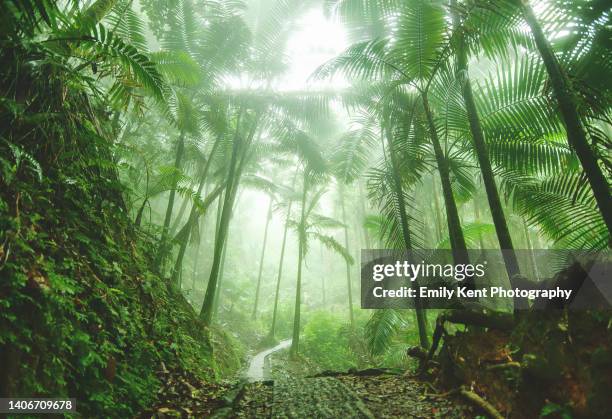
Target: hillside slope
{"points": [[81, 314]]}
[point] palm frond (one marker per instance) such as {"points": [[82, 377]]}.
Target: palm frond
{"points": [[333, 245], [382, 328]]}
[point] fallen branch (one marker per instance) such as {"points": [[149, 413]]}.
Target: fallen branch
{"points": [[478, 401]]}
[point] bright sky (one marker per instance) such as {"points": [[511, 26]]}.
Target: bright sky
{"points": [[316, 39]]}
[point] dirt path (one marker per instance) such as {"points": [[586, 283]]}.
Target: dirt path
{"points": [[361, 394]]}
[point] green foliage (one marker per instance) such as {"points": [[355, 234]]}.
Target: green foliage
{"points": [[382, 328], [325, 343], [555, 410], [85, 316], [84, 309]]}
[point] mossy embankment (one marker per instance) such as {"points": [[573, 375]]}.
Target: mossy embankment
{"points": [[81, 312]]}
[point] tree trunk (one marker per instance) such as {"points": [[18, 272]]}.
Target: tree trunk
{"points": [[222, 269], [397, 184], [180, 149], [477, 219], [206, 312], [455, 232], [295, 342], [193, 215], [261, 259], [362, 200], [323, 276], [179, 216], [220, 284], [436, 203], [569, 112], [138, 219], [348, 266], [185, 233], [233, 179], [279, 276], [534, 265], [196, 255], [280, 263], [497, 212]]}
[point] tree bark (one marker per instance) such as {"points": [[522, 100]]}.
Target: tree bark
{"points": [[180, 215], [206, 312], [569, 112], [196, 254], [233, 179], [221, 276], [193, 215], [397, 184], [497, 212], [534, 264], [185, 233], [459, 248], [436, 203], [323, 276]]}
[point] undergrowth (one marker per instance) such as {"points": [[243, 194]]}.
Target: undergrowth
{"points": [[81, 313]]}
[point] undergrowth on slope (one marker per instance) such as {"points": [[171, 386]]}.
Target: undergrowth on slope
{"points": [[81, 313]]}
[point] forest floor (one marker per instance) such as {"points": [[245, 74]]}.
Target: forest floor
{"points": [[291, 393], [346, 395]]}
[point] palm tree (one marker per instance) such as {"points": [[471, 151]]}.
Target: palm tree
{"points": [[269, 187], [497, 212], [272, 333], [352, 157], [183, 34], [348, 265], [240, 148], [310, 226], [566, 99], [412, 55], [258, 108]]}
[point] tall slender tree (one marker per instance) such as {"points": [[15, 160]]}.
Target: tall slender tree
{"points": [[261, 258], [349, 285], [480, 147]]}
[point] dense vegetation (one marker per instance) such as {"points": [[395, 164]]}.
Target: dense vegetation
{"points": [[167, 202]]}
